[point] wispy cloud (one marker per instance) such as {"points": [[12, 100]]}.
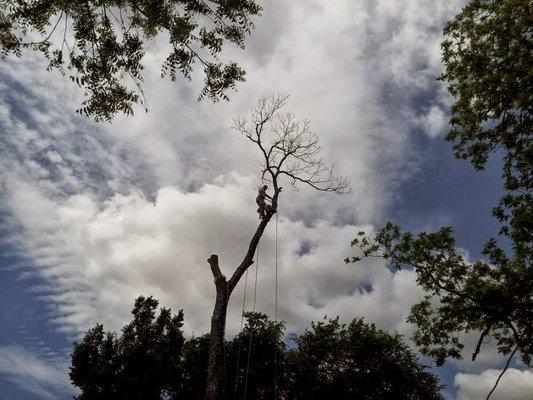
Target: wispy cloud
{"points": [[356, 78], [47, 379], [109, 212], [98, 258]]}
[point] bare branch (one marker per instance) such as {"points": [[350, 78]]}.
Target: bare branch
{"points": [[215, 269], [288, 147], [248, 257]]}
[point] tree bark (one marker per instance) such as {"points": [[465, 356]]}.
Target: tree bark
{"points": [[216, 388]]}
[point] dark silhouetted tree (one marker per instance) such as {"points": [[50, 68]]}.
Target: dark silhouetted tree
{"points": [[288, 150], [144, 362], [487, 59], [259, 353], [195, 355], [494, 298], [357, 361], [95, 365], [257, 374], [100, 44], [151, 360]]}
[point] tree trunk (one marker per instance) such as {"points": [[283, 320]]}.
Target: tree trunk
{"points": [[215, 389], [216, 385]]}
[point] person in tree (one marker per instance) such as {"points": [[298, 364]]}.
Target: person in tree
{"points": [[261, 201]]}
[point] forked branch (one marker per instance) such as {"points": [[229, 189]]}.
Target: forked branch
{"points": [[288, 150], [288, 147]]}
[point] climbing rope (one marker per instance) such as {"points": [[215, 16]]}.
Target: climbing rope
{"points": [[251, 331], [276, 315], [240, 332], [250, 341]]}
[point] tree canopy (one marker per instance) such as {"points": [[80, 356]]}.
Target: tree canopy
{"points": [[487, 59], [288, 151], [100, 44], [494, 298], [487, 66], [356, 361], [151, 360], [142, 363]]}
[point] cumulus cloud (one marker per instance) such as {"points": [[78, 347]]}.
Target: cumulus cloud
{"points": [[45, 378], [363, 73], [359, 71], [98, 258], [514, 385], [112, 211]]}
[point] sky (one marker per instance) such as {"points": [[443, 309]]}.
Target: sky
{"points": [[93, 215]]}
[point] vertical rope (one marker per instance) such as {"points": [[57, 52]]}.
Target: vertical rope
{"points": [[276, 284], [251, 331], [235, 384], [276, 316]]}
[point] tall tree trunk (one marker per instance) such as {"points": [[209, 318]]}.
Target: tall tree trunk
{"points": [[215, 389]]}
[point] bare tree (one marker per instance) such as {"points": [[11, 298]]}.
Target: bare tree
{"points": [[289, 150]]}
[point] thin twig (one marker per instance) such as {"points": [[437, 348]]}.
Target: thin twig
{"points": [[49, 35]]}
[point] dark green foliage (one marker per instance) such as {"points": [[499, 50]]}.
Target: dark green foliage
{"points": [[495, 298], [142, 363], [267, 359], [95, 365], [358, 361], [487, 58], [487, 52], [195, 355], [101, 43], [330, 361], [267, 349]]}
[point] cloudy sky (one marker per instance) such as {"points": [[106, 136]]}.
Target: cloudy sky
{"points": [[93, 215]]}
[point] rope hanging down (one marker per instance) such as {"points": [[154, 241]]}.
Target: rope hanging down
{"points": [[251, 332], [240, 339], [276, 315]]}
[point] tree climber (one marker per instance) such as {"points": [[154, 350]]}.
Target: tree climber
{"points": [[260, 200]]}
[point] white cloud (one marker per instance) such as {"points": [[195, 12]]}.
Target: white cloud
{"points": [[109, 212], [514, 385], [434, 122], [488, 356], [97, 258], [46, 379]]}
